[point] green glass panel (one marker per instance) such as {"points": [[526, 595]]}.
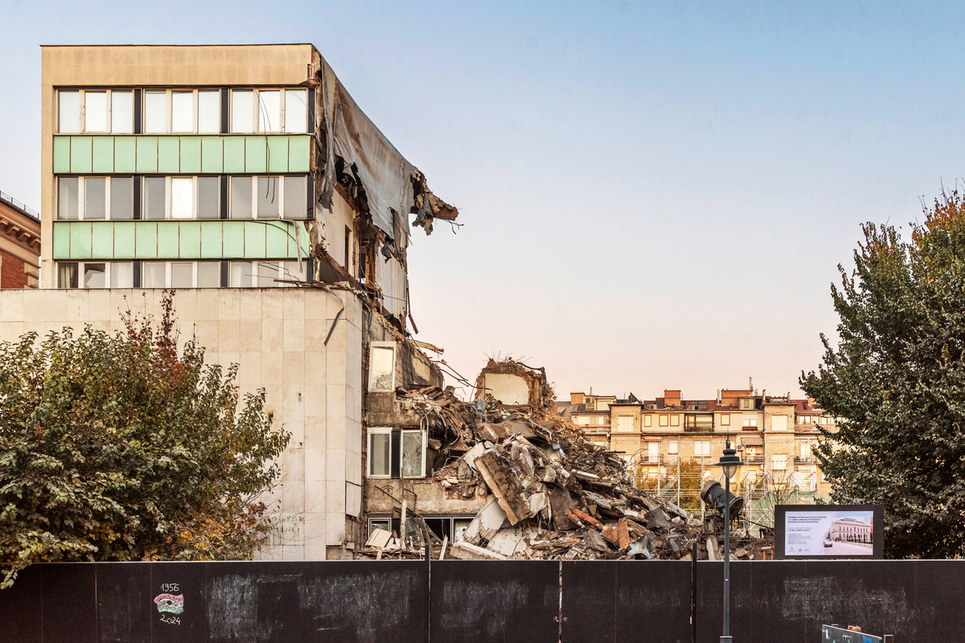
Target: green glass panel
{"points": [[211, 235], [212, 154], [256, 154], [103, 162], [80, 154], [124, 239], [61, 154], [277, 154], [125, 154], [102, 240], [167, 239], [190, 154], [147, 154], [234, 154], [79, 240], [298, 153], [276, 239], [61, 240], [233, 239], [254, 240], [145, 241], [168, 155], [190, 243]]}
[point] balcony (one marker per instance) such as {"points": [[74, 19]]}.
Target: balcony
{"points": [[753, 459], [805, 459]]}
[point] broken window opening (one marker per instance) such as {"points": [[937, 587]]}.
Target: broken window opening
{"points": [[396, 453], [382, 366]]}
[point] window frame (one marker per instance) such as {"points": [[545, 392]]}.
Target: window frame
{"points": [[255, 126], [372, 375], [370, 433], [80, 127], [81, 204]]}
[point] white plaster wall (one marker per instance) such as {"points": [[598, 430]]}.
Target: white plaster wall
{"points": [[507, 388], [276, 336]]}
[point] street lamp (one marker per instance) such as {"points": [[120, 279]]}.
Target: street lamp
{"points": [[728, 464]]}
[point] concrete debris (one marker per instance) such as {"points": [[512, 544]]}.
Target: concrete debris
{"points": [[551, 493]]}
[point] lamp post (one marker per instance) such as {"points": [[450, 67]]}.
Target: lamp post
{"points": [[728, 464]]}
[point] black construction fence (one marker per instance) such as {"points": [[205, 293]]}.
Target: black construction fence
{"points": [[459, 601]]}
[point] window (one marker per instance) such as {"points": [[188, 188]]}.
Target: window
{"points": [[68, 112], [806, 449], [382, 366], [413, 454], [242, 111], [94, 197], [67, 199], [155, 112], [122, 274], [296, 111], [269, 197], [296, 197], [182, 111], [209, 112], [153, 196], [663, 419], [779, 423], [672, 447], [182, 198], [725, 419], [395, 453], [647, 420], [67, 274], [746, 405], [625, 424], [122, 112], [122, 198], [269, 110], [702, 448], [95, 111], [380, 453], [675, 420], [182, 274], [653, 451], [750, 424], [778, 462], [209, 197], [209, 274], [153, 274]]}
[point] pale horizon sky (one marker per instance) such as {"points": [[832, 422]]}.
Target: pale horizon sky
{"points": [[653, 195]]}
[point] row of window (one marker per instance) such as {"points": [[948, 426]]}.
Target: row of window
{"points": [[182, 111], [625, 423], [123, 198], [180, 274]]}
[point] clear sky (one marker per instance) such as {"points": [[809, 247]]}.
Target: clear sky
{"points": [[654, 195]]}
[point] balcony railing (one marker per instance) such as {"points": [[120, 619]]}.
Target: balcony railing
{"points": [[753, 459], [805, 459]]}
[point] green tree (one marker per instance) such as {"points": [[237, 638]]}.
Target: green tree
{"points": [[120, 447], [896, 383]]}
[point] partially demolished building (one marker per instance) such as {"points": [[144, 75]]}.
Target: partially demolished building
{"points": [[247, 180], [508, 477]]}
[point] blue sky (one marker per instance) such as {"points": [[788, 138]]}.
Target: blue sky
{"points": [[655, 195]]}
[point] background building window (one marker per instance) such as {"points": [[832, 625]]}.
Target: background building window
{"points": [[779, 462], [625, 424], [725, 419]]}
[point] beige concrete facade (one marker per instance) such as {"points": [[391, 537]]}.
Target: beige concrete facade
{"points": [[276, 336]]}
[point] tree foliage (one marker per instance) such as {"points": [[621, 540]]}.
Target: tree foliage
{"points": [[896, 382], [121, 447]]}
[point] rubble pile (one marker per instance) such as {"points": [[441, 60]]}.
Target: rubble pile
{"points": [[551, 493]]}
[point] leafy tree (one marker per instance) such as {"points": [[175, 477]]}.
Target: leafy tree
{"points": [[121, 447], [896, 382]]}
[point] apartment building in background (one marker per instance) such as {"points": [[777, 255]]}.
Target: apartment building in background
{"points": [[247, 180], [19, 244], [773, 434]]}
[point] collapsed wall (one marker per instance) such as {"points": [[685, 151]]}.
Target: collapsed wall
{"points": [[536, 488]]}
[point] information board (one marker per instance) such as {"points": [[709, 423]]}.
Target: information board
{"points": [[828, 531]]}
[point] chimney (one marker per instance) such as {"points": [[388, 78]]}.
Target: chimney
{"points": [[576, 398], [750, 384]]}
